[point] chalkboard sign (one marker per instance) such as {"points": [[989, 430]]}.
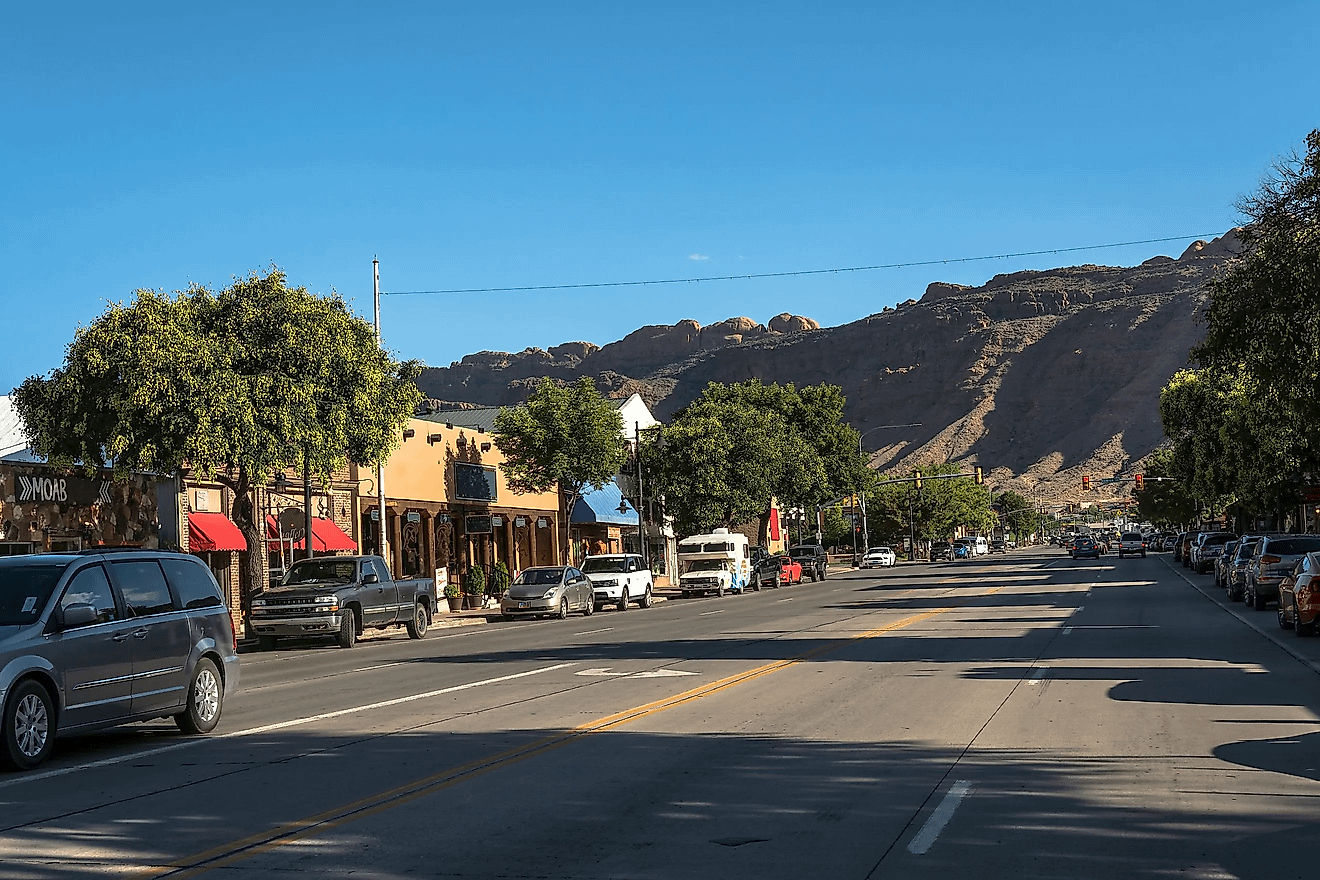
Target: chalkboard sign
{"points": [[472, 482], [478, 525]]}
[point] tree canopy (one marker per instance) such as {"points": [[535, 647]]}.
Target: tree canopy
{"points": [[235, 384], [569, 436], [940, 506], [1160, 502], [734, 448]]}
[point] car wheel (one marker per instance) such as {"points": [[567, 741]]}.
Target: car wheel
{"points": [[1284, 622], [347, 637], [29, 722], [420, 621], [1257, 600], [506, 617], [623, 599], [756, 587], [824, 570], [205, 699], [1302, 629], [719, 591], [267, 643], [589, 607], [562, 613], [1143, 555], [646, 597]]}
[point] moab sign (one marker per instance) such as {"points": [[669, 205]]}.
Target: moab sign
{"points": [[70, 490]]}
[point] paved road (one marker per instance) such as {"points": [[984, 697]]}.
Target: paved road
{"points": [[1017, 716]]}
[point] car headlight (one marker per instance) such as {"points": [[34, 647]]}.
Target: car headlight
{"points": [[608, 582], [258, 603], [550, 593]]}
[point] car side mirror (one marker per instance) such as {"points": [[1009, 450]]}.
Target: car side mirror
{"points": [[372, 578], [76, 615]]}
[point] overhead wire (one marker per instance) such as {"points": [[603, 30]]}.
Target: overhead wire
{"points": [[796, 272]]}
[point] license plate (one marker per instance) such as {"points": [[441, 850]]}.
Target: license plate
{"points": [[522, 604]]}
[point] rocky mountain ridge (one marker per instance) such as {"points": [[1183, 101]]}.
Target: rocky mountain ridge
{"points": [[1038, 376]]}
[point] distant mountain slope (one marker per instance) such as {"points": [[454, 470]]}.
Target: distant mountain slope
{"points": [[1038, 376]]}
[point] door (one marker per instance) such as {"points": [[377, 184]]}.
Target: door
{"points": [[161, 637], [96, 659], [380, 601]]}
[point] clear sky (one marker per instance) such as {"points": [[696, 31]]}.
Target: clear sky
{"points": [[491, 145]]}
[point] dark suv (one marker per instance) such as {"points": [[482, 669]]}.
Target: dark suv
{"points": [[91, 640], [812, 558]]}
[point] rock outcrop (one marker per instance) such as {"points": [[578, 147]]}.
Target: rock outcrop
{"points": [[1038, 376]]}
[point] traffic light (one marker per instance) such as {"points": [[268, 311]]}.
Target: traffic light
{"points": [[1138, 478], [916, 480], [1086, 483], [980, 477]]}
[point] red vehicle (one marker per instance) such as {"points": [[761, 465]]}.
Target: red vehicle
{"points": [[1299, 596], [790, 571]]}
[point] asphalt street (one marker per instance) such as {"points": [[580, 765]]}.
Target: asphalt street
{"points": [[1018, 716]]}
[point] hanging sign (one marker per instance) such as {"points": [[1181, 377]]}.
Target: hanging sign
{"points": [[71, 490]]}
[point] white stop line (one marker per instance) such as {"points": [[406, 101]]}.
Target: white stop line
{"points": [[943, 813]]}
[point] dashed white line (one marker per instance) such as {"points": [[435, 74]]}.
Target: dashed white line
{"points": [[925, 838], [716, 611], [592, 632], [1038, 675], [1067, 629]]}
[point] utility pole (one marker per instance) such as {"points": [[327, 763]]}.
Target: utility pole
{"points": [[307, 503], [380, 463], [641, 522]]}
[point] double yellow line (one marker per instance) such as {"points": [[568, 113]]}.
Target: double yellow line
{"points": [[290, 832]]}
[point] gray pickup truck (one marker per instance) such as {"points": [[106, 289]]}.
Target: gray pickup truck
{"points": [[341, 596]]}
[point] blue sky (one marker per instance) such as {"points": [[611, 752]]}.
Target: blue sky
{"points": [[483, 145]]}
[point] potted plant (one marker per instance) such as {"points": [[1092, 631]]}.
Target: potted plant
{"points": [[454, 596], [476, 586], [499, 580]]}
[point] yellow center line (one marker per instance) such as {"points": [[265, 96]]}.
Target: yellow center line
{"points": [[289, 832]]}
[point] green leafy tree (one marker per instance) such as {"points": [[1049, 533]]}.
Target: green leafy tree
{"points": [[838, 531], [236, 384], [1019, 516], [569, 436], [940, 507], [737, 446], [1163, 503]]}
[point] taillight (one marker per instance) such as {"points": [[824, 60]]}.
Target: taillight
{"points": [[1270, 560]]}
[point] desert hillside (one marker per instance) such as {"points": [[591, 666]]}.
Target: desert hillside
{"points": [[1038, 376]]}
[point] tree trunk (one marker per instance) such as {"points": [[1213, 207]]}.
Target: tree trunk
{"points": [[763, 530], [247, 519]]}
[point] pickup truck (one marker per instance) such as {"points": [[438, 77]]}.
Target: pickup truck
{"points": [[341, 596]]}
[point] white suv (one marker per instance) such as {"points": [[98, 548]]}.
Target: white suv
{"points": [[619, 578]]}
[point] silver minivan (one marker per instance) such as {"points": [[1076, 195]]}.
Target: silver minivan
{"points": [[95, 639]]}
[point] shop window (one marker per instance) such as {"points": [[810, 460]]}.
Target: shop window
{"points": [[15, 548], [65, 545]]}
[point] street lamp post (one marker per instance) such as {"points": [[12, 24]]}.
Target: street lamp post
{"points": [[866, 535]]}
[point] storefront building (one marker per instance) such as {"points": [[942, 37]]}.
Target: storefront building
{"points": [[448, 506]]}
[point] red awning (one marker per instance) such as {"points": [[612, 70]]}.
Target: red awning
{"points": [[326, 536], [209, 532]]}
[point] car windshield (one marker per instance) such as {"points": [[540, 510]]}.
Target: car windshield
{"points": [[878, 550], [322, 571], [540, 577], [1131, 536], [1293, 546], [707, 565], [25, 589], [605, 565], [1245, 551]]}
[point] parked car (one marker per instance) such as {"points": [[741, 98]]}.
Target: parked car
{"points": [[1131, 544], [879, 557], [619, 578], [1275, 557], [1085, 546], [341, 596], [941, 550], [548, 590], [963, 549], [93, 640], [999, 545], [767, 573], [1185, 549], [1177, 546], [1223, 560], [1207, 546], [1235, 581], [812, 558], [1299, 596]]}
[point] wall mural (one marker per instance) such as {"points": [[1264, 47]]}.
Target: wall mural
{"points": [[54, 510]]}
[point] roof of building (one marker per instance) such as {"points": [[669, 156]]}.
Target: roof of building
{"points": [[13, 441], [480, 419], [602, 506]]}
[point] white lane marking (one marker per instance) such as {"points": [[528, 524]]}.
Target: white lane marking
{"points": [[663, 673], [279, 725], [1079, 609], [1038, 675], [603, 670], [1067, 629], [716, 611], [592, 632], [789, 599], [925, 838]]}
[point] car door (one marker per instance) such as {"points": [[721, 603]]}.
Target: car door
{"points": [[161, 635], [380, 601], [581, 592], [95, 660]]}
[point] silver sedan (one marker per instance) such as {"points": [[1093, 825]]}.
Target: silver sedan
{"points": [[556, 590]]}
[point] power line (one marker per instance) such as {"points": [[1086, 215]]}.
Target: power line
{"points": [[907, 265]]}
